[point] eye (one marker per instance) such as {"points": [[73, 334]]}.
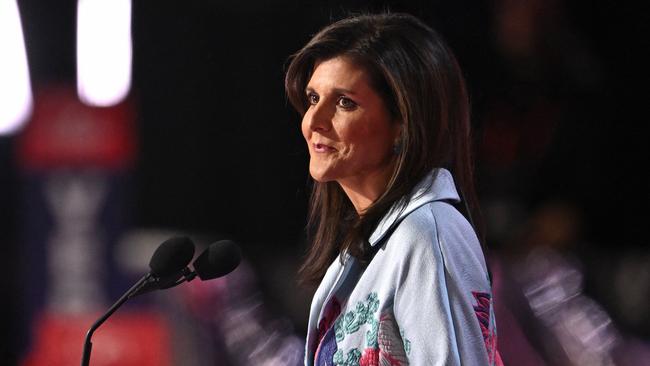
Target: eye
{"points": [[312, 98], [346, 103]]}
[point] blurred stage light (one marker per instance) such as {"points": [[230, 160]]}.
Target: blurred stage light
{"points": [[103, 51], [15, 87]]}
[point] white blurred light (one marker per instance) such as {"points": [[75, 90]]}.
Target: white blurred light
{"points": [[15, 88], [103, 51]]}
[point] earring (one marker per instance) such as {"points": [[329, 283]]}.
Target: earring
{"points": [[397, 147]]}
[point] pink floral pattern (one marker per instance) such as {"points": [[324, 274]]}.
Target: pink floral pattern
{"points": [[391, 349], [483, 314]]}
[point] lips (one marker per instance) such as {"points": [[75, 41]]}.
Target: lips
{"points": [[322, 148]]}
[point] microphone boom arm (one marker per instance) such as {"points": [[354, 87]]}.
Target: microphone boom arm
{"points": [[85, 360]]}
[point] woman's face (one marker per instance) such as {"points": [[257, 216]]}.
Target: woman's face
{"points": [[348, 129]]}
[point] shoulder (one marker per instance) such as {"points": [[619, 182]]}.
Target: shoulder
{"points": [[433, 221], [437, 228]]}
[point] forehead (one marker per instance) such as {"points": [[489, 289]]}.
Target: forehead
{"points": [[339, 73]]}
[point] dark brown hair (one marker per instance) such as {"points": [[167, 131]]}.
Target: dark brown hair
{"points": [[422, 86]]}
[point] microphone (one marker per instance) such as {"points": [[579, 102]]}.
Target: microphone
{"points": [[171, 256], [169, 268], [219, 259], [167, 264]]}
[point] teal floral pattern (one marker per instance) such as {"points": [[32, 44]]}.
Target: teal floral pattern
{"points": [[371, 335], [351, 359], [385, 342], [364, 313], [407, 343]]}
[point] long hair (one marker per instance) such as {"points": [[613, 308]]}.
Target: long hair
{"points": [[422, 86]]}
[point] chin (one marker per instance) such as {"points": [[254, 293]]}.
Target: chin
{"points": [[320, 176]]}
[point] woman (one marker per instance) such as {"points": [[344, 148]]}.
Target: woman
{"points": [[402, 275]]}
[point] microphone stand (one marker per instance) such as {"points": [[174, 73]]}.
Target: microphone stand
{"points": [[88, 346], [140, 287]]}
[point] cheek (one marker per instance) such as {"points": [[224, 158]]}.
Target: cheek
{"points": [[362, 136], [304, 127], [373, 144]]}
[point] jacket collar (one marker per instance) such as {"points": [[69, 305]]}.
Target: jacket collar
{"points": [[436, 186]]}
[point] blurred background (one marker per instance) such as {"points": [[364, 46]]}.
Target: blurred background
{"points": [[125, 123]]}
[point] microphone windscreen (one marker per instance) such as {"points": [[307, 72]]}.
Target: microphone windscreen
{"points": [[172, 256], [217, 260]]}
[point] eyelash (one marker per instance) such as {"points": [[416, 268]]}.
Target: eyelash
{"points": [[312, 99], [351, 105]]}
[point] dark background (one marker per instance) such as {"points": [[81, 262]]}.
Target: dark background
{"points": [[220, 150]]}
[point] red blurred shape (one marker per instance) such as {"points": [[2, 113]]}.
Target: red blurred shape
{"points": [[65, 133], [130, 339]]}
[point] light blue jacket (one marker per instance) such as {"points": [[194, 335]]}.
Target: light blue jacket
{"points": [[424, 299]]}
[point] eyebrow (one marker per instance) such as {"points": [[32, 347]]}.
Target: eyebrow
{"points": [[336, 90]]}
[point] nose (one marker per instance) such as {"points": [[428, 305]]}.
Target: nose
{"points": [[318, 118]]}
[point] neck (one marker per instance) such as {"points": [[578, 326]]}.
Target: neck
{"points": [[364, 190]]}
